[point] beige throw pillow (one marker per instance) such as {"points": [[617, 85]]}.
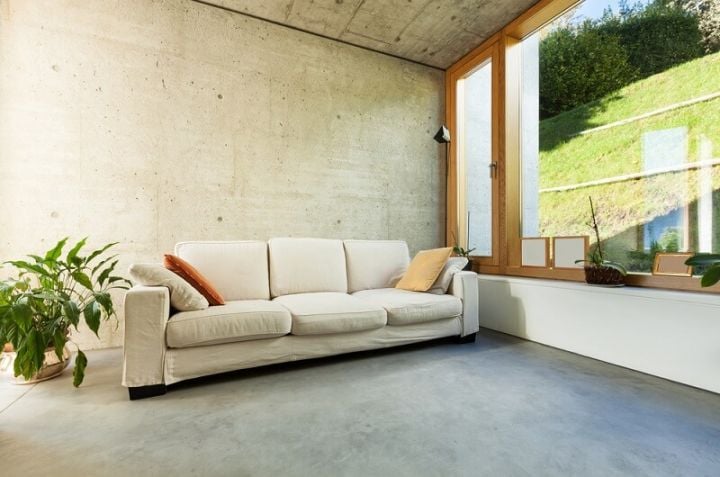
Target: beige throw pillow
{"points": [[424, 269], [183, 297], [453, 265]]}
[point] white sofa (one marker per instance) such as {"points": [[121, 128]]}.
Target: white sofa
{"points": [[286, 299]]}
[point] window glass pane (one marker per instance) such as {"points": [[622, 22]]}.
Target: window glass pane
{"points": [[475, 149], [613, 111]]}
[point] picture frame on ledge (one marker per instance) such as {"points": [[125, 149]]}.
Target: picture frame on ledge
{"points": [[567, 250], [535, 252], [672, 264]]}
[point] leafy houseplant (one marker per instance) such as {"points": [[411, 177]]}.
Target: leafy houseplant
{"points": [[50, 295], [461, 252], [598, 270], [711, 263]]}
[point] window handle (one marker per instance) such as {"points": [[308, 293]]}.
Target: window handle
{"points": [[493, 169]]}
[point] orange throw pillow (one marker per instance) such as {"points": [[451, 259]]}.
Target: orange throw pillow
{"points": [[198, 281]]}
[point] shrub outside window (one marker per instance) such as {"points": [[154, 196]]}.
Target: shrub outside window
{"points": [[622, 104]]}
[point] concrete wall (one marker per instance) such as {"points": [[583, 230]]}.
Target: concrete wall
{"points": [[669, 334], [149, 122]]}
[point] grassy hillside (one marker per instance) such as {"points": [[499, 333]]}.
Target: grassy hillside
{"points": [[567, 159]]}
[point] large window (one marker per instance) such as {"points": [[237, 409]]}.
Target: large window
{"points": [[605, 99], [622, 104], [474, 150], [473, 200]]}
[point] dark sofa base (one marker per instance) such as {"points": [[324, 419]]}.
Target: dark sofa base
{"points": [[143, 392]]}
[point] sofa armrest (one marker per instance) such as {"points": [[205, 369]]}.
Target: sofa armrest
{"points": [[147, 310], [465, 286]]}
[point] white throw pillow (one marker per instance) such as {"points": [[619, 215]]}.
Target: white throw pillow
{"points": [[183, 297], [453, 265]]}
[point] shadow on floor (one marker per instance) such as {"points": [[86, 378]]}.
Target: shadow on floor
{"points": [[486, 340]]}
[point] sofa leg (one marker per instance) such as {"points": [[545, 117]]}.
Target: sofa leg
{"points": [[466, 339], [143, 392]]}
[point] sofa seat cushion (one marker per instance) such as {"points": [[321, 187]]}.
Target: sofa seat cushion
{"points": [[235, 321], [407, 307], [329, 313]]}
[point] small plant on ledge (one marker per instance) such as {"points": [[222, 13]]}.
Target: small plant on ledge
{"points": [[598, 270], [461, 252], [50, 295], [710, 262], [458, 250]]}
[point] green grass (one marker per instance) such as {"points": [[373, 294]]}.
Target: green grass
{"points": [[567, 159], [617, 151], [683, 82]]}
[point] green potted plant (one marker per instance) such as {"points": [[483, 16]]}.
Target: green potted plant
{"points": [[710, 262], [461, 252], [49, 295], [598, 270]]}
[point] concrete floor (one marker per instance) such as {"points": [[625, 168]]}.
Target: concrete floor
{"points": [[499, 407]]}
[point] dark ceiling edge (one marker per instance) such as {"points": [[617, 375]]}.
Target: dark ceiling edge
{"points": [[319, 35]]}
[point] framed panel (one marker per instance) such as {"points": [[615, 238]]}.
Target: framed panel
{"points": [[536, 252], [672, 264], [566, 250], [473, 99]]}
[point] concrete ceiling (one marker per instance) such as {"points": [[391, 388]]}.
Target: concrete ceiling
{"points": [[433, 32]]}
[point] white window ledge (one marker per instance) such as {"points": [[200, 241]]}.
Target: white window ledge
{"points": [[671, 334], [640, 292]]}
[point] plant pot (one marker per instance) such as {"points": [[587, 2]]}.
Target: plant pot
{"points": [[52, 367], [468, 266], [604, 276]]}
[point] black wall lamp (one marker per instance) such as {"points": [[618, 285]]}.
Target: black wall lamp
{"points": [[443, 137]]}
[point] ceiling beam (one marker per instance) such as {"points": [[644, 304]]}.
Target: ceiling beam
{"points": [[319, 35]]}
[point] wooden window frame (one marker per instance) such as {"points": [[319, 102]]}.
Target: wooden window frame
{"points": [[456, 209], [503, 48]]}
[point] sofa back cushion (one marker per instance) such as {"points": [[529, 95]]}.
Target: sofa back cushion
{"points": [[373, 264], [306, 265], [238, 270]]}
